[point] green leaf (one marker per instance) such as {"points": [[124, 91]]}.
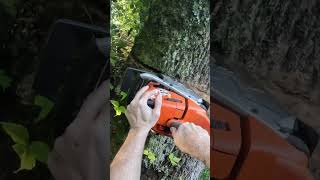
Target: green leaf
{"points": [[5, 81], [46, 106], [150, 155], [174, 163], [119, 110], [205, 174], [173, 159], [18, 133], [176, 159], [19, 149], [114, 103], [39, 150], [111, 87], [145, 152], [122, 109], [27, 161], [123, 95]]}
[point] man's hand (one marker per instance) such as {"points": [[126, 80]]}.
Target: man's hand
{"points": [[127, 162], [139, 114], [193, 140], [82, 151]]}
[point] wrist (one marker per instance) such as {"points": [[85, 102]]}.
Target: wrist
{"points": [[139, 131]]}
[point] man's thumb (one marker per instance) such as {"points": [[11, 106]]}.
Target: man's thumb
{"points": [[173, 131]]}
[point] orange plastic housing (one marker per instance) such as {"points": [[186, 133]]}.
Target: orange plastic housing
{"points": [[249, 150], [180, 109]]}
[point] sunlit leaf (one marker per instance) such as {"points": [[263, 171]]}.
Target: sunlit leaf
{"points": [[118, 112], [122, 109], [114, 103], [173, 159], [18, 133], [150, 155], [145, 152]]}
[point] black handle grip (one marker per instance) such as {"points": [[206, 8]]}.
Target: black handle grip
{"points": [[151, 103]]}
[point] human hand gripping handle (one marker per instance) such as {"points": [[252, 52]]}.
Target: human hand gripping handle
{"points": [[193, 140], [141, 119], [140, 116]]}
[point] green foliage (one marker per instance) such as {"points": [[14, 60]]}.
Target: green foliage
{"points": [[5, 80], [40, 151], [46, 106], [9, 6], [150, 155], [205, 174], [123, 95], [119, 109], [173, 159], [28, 152], [119, 105], [125, 25], [18, 133], [27, 161]]}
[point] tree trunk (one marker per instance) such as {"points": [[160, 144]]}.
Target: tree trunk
{"points": [[278, 44], [175, 41]]}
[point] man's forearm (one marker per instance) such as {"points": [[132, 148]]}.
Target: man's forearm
{"points": [[127, 162]]}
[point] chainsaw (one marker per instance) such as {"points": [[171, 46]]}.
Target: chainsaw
{"points": [[253, 137], [179, 104]]}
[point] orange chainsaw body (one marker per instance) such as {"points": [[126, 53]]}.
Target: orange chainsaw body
{"points": [[176, 108], [243, 148]]}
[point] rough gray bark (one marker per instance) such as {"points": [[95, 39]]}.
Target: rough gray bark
{"points": [[278, 44], [175, 41], [276, 41]]}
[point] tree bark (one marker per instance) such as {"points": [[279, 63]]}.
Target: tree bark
{"points": [[175, 41], [277, 43]]}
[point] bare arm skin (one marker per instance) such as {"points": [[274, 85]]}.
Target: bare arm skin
{"points": [[193, 140], [127, 162]]}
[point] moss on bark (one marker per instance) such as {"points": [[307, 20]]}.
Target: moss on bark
{"points": [[175, 40]]}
